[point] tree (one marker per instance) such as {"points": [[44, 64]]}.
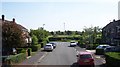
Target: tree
{"points": [[40, 33], [90, 34], [34, 40], [12, 36]]}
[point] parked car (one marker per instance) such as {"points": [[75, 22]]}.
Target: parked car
{"points": [[85, 59], [72, 44], [100, 49], [112, 49], [48, 47], [53, 44]]}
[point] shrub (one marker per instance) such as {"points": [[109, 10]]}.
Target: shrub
{"points": [[16, 58], [95, 45], [21, 50], [36, 47], [112, 59], [34, 40], [99, 51], [43, 44]]}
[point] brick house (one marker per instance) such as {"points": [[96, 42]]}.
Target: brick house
{"points": [[111, 33]]}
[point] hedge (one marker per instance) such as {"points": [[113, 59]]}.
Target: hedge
{"points": [[112, 59], [100, 51], [43, 43], [16, 58], [36, 47], [63, 38], [20, 50]]}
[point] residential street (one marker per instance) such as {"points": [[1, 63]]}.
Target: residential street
{"points": [[63, 55]]}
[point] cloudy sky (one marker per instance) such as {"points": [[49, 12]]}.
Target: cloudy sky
{"points": [[74, 13]]}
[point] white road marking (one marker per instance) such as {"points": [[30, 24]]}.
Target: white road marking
{"points": [[42, 57]]}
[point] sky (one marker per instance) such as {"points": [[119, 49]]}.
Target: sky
{"points": [[73, 14]]}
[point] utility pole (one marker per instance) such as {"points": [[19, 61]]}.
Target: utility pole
{"points": [[64, 28]]}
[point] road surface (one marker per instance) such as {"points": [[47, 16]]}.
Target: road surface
{"points": [[64, 56]]}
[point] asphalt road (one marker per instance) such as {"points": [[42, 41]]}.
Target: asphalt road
{"points": [[61, 55], [64, 56]]}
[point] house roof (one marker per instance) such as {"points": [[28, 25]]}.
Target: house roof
{"points": [[117, 21], [20, 26]]}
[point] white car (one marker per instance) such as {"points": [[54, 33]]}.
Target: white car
{"points": [[72, 44], [48, 47], [101, 49], [102, 46]]}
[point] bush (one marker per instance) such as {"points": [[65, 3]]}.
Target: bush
{"points": [[16, 58], [95, 45], [112, 59], [100, 51], [21, 50], [36, 47], [34, 40], [43, 44]]}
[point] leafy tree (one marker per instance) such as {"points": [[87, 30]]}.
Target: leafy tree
{"points": [[12, 36], [40, 33], [34, 40], [90, 34]]}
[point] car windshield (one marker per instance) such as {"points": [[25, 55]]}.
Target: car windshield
{"points": [[85, 56]]}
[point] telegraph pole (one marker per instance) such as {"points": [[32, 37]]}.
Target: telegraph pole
{"points": [[64, 28]]}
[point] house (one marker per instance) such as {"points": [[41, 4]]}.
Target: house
{"points": [[111, 33], [25, 33]]}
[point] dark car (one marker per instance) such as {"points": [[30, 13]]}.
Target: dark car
{"points": [[53, 44], [112, 49]]}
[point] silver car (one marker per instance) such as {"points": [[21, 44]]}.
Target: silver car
{"points": [[48, 47]]}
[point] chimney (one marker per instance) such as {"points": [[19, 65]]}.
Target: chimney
{"points": [[13, 20], [113, 20], [3, 17]]}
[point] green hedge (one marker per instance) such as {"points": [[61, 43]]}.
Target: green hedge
{"points": [[100, 51], [43, 43], [63, 38], [16, 58], [20, 50], [112, 59], [36, 47]]}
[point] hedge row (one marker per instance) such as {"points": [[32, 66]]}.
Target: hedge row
{"points": [[112, 59], [99, 51], [16, 58], [63, 38], [35, 47], [21, 50]]}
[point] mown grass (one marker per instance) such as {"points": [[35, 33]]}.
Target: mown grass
{"points": [[115, 55]]}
